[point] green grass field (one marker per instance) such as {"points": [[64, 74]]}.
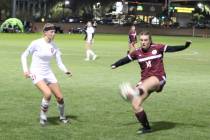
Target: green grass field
{"points": [[97, 112]]}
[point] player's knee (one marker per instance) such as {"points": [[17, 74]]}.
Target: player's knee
{"points": [[60, 100], [141, 91], [47, 96], [137, 108], [143, 94], [47, 93]]}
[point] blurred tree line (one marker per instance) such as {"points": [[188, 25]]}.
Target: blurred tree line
{"points": [[81, 8], [5, 8], [57, 9]]}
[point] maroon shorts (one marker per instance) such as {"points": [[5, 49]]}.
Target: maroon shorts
{"points": [[162, 80]]}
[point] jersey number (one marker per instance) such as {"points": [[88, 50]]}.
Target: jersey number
{"points": [[149, 65]]}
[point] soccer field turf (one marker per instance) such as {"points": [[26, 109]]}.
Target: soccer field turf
{"points": [[97, 112]]}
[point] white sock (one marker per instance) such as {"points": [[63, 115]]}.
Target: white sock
{"points": [[92, 53], [44, 109], [87, 54], [61, 110], [43, 115]]}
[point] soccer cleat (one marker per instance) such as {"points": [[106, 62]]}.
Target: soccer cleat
{"points": [[87, 59], [64, 120], [94, 57], [43, 122], [144, 130], [123, 91], [128, 92], [43, 118]]}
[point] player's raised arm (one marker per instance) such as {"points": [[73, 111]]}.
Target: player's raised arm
{"points": [[121, 62], [178, 47]]}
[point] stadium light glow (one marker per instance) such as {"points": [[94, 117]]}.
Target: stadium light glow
{"points": [[67, 2], [200, 5], [184, 9], [140, 8]]}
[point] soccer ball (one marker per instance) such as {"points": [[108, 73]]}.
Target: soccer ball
{"points": [[127, 91]]}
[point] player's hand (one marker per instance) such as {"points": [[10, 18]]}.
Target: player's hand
{"points": [[113, 66], [68, 73], [27, 74], [188, 42]]}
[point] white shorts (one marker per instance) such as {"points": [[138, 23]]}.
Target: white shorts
{"points": [[89, 40], [48, 78]]}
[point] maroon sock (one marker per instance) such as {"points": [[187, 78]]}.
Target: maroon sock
{"points": [[142, 118]]}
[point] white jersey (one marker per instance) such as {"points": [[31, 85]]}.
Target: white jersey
{"points": [[90, 32], [42, 52]]}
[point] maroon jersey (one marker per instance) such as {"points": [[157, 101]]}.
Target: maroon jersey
{"points": [[151, 62], [132, 37]]}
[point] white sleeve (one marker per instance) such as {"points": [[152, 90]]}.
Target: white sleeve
{"points": [[93, 30], [24, 56], [165, 47], [59, 61]]}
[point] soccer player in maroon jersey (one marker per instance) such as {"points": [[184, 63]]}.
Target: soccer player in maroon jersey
{"points": [[153, 77], [132, 39]]}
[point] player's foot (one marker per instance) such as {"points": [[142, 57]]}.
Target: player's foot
{"points": [[64, 120], [94, 57], [144, 130], [43, 118], [87, 59], [43, 122]]}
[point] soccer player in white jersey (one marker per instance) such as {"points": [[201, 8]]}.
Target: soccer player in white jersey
{"points": [[90, 31], [42, 51]]}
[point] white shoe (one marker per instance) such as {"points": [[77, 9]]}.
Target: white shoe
{"points": [[128, 92], [43, 122], [43, 118], [64, 120], [87, 59], [94, 57]]}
